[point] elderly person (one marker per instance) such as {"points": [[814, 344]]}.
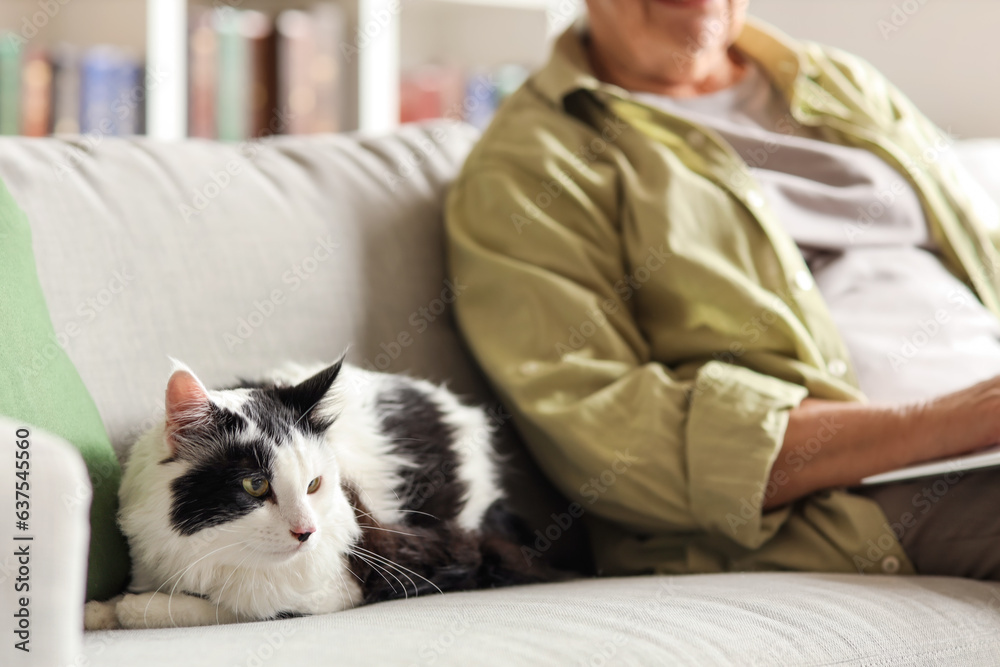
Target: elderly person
{"points": [[720, 276]]}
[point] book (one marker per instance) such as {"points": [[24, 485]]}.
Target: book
{"points": [[480, 100], [432, 91], [296, 95], [10, 83], [65, 90], [329, 27], [986, 458], [36, 95], [110, 99], [232, 118], [258, 31], [203, 72], [310, 66]]}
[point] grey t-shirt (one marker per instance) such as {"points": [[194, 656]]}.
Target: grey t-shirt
{"points": [[914, 331]]}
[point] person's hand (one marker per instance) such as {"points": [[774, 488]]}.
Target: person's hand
{"points": [[962, 421], [830, 443]]}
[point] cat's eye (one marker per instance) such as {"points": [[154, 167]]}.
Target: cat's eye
{"points": [[314, 485], [255, 486]]}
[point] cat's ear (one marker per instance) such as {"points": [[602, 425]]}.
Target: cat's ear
{"points": [[187, 403], [307, 395]]}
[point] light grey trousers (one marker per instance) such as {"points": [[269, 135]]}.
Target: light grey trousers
{"points": [[947, 525]]}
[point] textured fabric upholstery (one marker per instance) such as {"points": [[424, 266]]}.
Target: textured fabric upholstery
{"points": [[757, 619]]}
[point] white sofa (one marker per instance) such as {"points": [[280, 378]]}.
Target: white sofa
{"points": [[237, 258]]}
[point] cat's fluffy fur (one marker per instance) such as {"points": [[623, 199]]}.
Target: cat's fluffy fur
{"points": [[407, 503]]}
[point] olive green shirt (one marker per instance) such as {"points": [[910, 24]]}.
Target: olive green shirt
{"points": [[650, 324]]}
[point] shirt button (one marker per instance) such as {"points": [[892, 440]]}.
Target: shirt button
{"points": [[890, 565], [804, 280], [837, 367], [755, 199]]}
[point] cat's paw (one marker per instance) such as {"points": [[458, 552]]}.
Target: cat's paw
{"points": [[159, 610], [101, 615]]}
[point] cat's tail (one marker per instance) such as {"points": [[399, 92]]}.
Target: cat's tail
{"points": [[506, 558]]}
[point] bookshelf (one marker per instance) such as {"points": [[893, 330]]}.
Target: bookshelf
{"points": [[383, 39]]}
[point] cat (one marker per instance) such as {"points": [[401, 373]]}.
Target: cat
{"points": [[314, 491]]}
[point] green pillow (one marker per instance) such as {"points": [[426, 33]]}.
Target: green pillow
{"points": [[40, 386]]}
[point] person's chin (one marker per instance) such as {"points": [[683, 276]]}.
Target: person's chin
{"points": [[684, 3]]}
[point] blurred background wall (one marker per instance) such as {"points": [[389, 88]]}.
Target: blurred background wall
{"points": [[371, 64]]}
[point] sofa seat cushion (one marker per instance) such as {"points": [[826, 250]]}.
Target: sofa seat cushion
{"points": [[729, 619]]}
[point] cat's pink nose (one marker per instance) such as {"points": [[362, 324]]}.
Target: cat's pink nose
{"points": [[302, 534]]}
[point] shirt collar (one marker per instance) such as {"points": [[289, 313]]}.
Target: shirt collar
{"points": [[568, 70]]}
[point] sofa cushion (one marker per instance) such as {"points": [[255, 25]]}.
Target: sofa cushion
{"points": [[237, 258], [730, 619], [41, 388]]}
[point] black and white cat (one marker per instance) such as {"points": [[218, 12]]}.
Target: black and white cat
{"points": [[313, 492]]}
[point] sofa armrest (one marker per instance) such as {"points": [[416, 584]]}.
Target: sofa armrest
{"points": [[43, 589]]}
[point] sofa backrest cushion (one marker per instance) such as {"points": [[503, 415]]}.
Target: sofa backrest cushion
{"points": [[237, 258]]}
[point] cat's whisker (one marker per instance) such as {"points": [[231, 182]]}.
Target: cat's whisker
{"points": [[239, 591], [344, 587], [380, 566], [253, 588], [179, 574], [416, 512], [375, 566], [397, 565], [389, 530], [226, 582], [416, 591]]}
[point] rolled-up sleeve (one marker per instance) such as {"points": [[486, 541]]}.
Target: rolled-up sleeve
{"points": [[537, 243]]}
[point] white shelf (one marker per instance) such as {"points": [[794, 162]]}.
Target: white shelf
{"points": [[378, 67], [166, 64]]}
